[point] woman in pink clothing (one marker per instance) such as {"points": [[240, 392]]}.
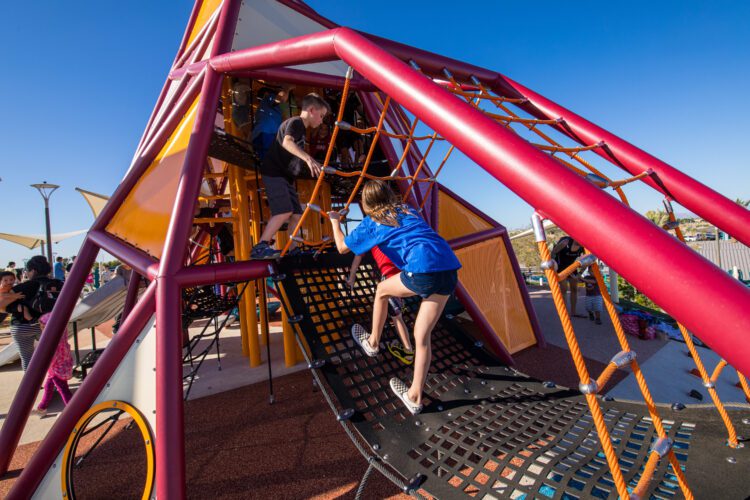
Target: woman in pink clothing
{"points": [[60, 371]]}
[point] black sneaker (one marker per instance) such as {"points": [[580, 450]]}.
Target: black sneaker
{"points": [[591, 316], [264, 251]]}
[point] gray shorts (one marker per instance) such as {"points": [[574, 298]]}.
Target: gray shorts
{"points": [[282, 197]]}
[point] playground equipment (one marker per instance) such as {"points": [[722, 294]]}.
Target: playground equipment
{"points": [[150, 223]]}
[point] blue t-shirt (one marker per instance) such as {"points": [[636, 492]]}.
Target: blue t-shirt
{"points": [[412, 246], [59, 272]]}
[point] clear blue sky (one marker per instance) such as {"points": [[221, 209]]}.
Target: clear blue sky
{"points": [[672, 77]]}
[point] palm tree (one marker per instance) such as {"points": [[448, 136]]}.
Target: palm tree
{"points": [[658, 217], [743, 203]]}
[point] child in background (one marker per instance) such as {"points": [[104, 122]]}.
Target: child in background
{"points": [[403, 351], [428, 269], [593, 298], [60, 371], [8, 296]]}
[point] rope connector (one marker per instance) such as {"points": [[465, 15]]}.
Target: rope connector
{"points": [[345, 414], [590, 388], [549, 264], [559, 119], [344, 125], [344, 212], [601, 144], [623, 358], [414, 65], [349, 73], [673, 224], [708, 384], [662, 446], [447, 73], [475, 81], [314, 207], [587, 260], [538, 225], [316, 364], [293, 320], [298, 239], [597, 180], [330, 170]]}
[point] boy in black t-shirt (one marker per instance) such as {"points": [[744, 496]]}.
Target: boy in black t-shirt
{"points": [[284, 161], [565, 252]]}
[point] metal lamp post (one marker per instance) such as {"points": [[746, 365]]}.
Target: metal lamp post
{"points": [[46, 191]]}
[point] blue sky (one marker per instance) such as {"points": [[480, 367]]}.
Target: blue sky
{"points": [[673, 78]]}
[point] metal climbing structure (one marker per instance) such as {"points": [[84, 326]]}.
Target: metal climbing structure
{"points": [[490, 432]]}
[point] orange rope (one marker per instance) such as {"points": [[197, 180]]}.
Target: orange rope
{"points": [[319, 183], [544, 136], [370, 130], [583, 374], [707, 383]]}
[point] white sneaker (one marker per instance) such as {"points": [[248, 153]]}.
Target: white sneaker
{"points": [[360, 336], [401, 390], [39, 412]]}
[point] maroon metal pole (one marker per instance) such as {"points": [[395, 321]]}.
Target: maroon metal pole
{"points": [[34, 376], [132, 295], [135, 258], [301, 77], [627, 241], [84, 397], [686, 191], [170, 431], [210, 274]]}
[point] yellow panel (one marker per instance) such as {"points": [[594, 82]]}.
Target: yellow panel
{"points": [[208, 7], [455, 220], [143, 218], [487, 275]]}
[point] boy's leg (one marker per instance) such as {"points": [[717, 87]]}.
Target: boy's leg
{"points": [[427, 317], [273, 226], [293, 221], [392, 287]]}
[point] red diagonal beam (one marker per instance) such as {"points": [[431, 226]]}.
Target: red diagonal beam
{"points": [[654, 262]]}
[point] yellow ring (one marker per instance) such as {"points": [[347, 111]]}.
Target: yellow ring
{"points": [[75, 436]]}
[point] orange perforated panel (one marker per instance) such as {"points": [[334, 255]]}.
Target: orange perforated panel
{"points": [[143, 217], [455, 220], [208, 7], [487, 275]]}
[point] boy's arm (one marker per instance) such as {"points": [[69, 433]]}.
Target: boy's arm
{"points": [[338, 234], [353, 270], [291, 146]]}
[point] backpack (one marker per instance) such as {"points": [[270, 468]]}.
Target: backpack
{"points": [[46, 295]]}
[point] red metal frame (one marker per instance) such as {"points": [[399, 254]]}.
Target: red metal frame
{"points": [[652, 260]]}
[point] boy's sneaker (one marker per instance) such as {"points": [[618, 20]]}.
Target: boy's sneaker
{"points": [[39, 412], [360, 336], [264, 251], [591, 316], [400, 352], [401, 390]]}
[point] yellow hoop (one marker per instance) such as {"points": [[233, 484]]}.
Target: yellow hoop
{"points": [[75, 437]]}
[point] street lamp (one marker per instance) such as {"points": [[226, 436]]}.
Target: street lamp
{"points": [[46, 191]]}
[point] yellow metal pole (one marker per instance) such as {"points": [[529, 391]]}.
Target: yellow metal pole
{"points": [[241, 213]]}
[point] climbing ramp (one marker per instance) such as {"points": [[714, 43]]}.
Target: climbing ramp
{"points": [[487, 431]]}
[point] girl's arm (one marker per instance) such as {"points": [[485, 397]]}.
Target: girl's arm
{"points": [[353, 270], [338, 234]]}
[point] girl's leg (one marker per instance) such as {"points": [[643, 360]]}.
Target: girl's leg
{"points": [[63, 389], [403, 331], [429, 313], [49, 391], [392, 287]]}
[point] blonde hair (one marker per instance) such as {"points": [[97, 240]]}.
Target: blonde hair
{"points": [[381, 204]]}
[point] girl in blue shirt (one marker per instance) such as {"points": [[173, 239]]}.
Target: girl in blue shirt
{"points": [[429, 269]]}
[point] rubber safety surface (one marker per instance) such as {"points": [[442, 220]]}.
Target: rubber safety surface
{"points": [[488, 431]]}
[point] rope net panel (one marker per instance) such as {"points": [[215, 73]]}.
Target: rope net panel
{"points": [[487, 431]]}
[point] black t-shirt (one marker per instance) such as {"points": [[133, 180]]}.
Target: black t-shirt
{"points": [[566, 256], [279, 162], [28, 289]]}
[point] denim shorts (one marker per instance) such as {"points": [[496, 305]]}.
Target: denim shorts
{"points": [[426, 284]]}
